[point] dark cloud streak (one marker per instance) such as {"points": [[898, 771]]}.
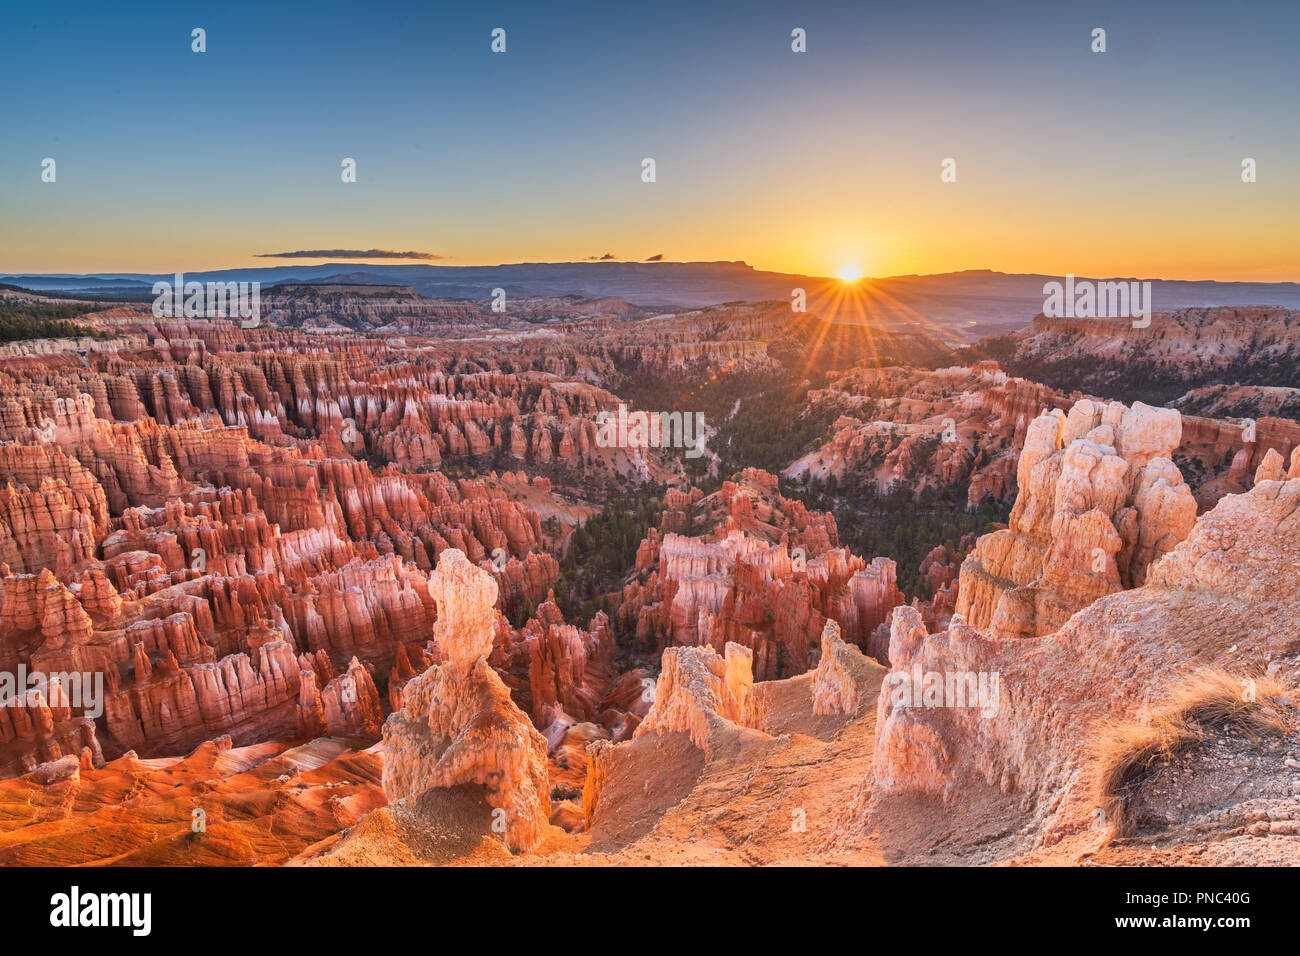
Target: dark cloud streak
{"points": [[349, 254]]}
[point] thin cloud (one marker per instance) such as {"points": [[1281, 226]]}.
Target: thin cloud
{"points": [[658, 257], [349, 254], [605, 258]]}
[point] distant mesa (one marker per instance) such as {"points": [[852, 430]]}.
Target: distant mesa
{"points": [[965, 306]]}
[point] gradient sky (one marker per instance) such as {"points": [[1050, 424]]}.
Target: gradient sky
{"points": [[1123, 163]]}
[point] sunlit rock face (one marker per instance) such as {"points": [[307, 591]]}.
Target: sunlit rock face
{"points": [[234, 529], [210, 536], [1100, 500], [700, 693], [766, 574], [458, 724], [1048, 648]]}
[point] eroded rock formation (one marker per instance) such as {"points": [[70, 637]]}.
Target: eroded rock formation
{"points": [[766, 575], [458, 724], [699, 692], [1033, 711], [1099, 502]]}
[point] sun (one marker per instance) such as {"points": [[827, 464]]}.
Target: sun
{"points": [[850, 273]]}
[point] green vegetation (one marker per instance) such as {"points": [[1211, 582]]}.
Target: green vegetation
{"points": [[600, 554], [519, 613], [771, 428], [897, 524], [25, 319], [762, 419]]}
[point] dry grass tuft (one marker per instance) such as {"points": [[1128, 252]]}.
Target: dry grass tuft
{"points": [[1127, 751]]}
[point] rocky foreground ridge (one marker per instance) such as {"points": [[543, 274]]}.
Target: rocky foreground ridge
{"points": [[1163, 674]]}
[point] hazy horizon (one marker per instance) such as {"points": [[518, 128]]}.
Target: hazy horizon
{"points": [[375, 264]]}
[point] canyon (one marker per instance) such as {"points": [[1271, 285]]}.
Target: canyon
{"points": [[361, 585]]}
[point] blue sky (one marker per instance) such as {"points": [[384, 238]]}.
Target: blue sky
{"points": [[1118, 163]]}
